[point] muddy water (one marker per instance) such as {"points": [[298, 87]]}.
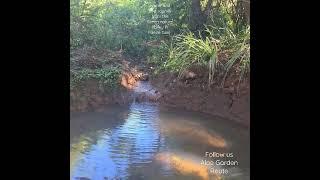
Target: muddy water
{"points": [[146, 142]]}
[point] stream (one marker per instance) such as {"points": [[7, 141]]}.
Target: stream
{"points": [[144, 141]]}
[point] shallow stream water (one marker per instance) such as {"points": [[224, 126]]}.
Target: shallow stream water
{"points": [[143, 141]]}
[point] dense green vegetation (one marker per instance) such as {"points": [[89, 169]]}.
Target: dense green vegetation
{"points": [[202, 31], [106, 77], [186, 50]]}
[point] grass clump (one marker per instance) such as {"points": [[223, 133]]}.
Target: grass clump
{"points": [[187, 50]]}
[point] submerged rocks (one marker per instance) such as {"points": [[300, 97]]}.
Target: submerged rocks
{"points": [[148, 96]]}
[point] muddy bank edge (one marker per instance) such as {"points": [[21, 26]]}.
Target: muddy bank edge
{"points": [[197, 97]]}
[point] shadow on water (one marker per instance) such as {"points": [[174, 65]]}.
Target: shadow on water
{"points": [[90, 122]]}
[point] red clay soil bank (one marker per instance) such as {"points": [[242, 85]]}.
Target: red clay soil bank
{"points": [[90, 97], [191, 93], [194, 95]]}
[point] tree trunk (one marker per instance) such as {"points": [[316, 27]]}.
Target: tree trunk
{"points": [[243, 12], [246, 9], [196, 15], [199, 17]]}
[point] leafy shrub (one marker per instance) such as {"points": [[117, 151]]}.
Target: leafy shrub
{"points": [[108, 78]]}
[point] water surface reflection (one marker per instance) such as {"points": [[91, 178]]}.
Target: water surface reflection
{"points": [[142, 142]]}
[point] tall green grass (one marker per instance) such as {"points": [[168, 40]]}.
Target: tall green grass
{"points": [[187, 50]]}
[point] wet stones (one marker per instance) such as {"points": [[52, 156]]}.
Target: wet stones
{"points": [[128, 80], [147, 97], [142, 76]]}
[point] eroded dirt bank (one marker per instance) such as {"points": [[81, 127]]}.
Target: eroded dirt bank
{"points": [[188, 92], [90, 94], [194, 94], [90, 97]]}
